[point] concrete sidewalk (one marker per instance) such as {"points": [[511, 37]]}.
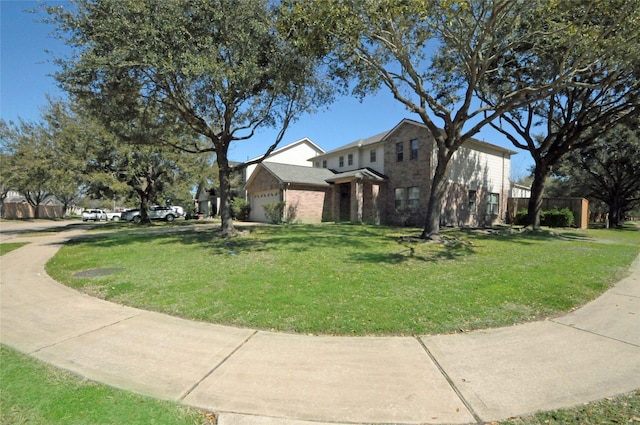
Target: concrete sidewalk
{"points": [[256, 377]]}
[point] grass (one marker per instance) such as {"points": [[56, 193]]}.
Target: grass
{"points": [[35, 393], [350, 280], [624, 409], [10, 246]]}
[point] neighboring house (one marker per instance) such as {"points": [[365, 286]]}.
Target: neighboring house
{"points": [[206, 201], [386, 179], [519, 191], [15, 206]]}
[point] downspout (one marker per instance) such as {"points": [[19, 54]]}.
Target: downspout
{"points": [[505, 194], [284, 200]]}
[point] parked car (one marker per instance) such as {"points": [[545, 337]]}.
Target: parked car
{"points": [[159, 212], [156, 212], [129, 214], [178, 210], [112, 216], [95, 215]]}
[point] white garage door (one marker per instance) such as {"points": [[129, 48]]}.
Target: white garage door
{"points": [[257, 200]]}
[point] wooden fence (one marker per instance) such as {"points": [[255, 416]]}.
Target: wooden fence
{"points": [[17, 210], [578, 206]]}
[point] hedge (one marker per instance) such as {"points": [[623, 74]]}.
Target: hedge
{"points": [[549, 218]]}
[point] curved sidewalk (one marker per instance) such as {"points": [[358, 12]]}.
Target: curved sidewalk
{"points": [[256, 377]]}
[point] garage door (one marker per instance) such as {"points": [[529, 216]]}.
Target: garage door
{"points": [[257, 200]]}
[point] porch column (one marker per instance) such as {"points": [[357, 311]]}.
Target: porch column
{"points": [[358, 200]]}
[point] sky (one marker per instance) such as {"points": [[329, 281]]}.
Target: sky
{"points": [[27, 50]]}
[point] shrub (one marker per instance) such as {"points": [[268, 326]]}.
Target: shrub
{"points": [[557, 218], [521, 217], [274, 211], [240, 209], [550, 218]]}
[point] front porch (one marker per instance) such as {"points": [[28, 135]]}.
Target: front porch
{"points": [[357, 196]]}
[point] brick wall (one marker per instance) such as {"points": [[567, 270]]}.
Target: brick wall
{"points": [[408, 173], [307, 204]]}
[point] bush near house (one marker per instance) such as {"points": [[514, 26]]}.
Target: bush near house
{"points": [[240, 209], [274, 211], [550, 218]]}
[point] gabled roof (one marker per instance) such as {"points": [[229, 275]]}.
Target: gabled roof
{"points": [[382, 136], [358, 143], [287, 173], [367, 174], [292, 145]]}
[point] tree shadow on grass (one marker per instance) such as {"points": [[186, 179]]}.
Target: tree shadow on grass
{"points": [[251, 239], [523, 237], [448, 250]]}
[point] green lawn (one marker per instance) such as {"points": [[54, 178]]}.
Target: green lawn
{"points": [[10, 246], [349, 280]]}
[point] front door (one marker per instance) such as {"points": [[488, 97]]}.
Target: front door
{"points": [[345, 201]]}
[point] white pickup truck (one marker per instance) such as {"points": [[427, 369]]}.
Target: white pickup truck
{"points": [[97, 215]]}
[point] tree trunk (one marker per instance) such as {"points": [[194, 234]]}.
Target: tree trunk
{"points": [[144, 206], [615, 214], [224, 171], [434, 208], [540, 175]]}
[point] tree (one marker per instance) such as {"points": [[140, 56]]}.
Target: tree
{"points": [[608, 170], [28, 160], [6, 183], [604, 91], [217, 65], [68, 157], [433, 56], [126, 160]]}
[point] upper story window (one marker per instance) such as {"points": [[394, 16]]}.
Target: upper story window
{"points": [[341, 161], [400, 151], [324, 163], [414, 149], [350, 159], [372, 155]]}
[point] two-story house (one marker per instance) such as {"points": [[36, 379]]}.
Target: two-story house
{"points": [[386, 179]]}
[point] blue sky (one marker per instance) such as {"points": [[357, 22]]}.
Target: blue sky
{"points": [[25, 80]]}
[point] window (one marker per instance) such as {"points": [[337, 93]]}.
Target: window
{"points": [[372, 155], [472, 201], [316, 164], [399, 151], [341, 161], [414, 149], [413, 195], [350, 159], [324, 163], [493, 203], [399, 194]]}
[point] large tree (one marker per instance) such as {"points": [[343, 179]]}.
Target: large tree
{"points": [[433, 56], [607, 170], [604, 91], [68, 155], [140, 158], [217, 65], [28, 160]]}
